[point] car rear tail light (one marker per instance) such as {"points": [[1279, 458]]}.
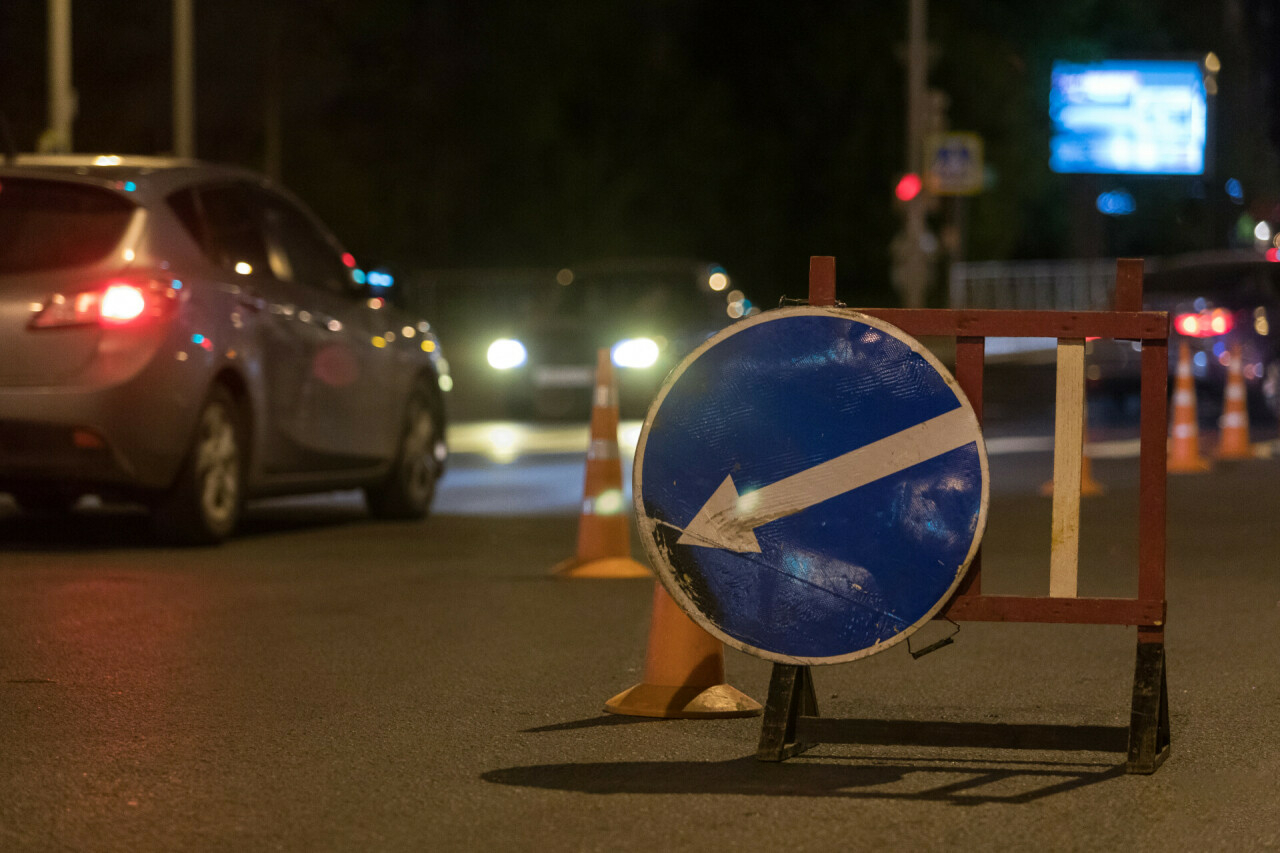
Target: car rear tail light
{"points": [[116, 303], [1206, 324], [122, 303]]}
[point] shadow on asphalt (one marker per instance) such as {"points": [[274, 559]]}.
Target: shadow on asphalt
{"points": [[971, 735], [591, 723], [962, 783]]}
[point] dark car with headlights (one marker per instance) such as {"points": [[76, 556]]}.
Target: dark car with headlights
{"points": [[189, 335], [1216, 303], [524, 343]]}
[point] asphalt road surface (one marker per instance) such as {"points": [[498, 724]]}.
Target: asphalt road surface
{"points": [[327, 682]]}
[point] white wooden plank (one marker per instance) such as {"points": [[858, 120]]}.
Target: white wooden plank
{"points": [[1068, 447]]}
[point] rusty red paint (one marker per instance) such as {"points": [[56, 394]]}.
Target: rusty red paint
{"points": [[970, 328], [1126, 325], [822, 280]]}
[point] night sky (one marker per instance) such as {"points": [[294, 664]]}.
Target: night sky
{"points": [[508, 133]]}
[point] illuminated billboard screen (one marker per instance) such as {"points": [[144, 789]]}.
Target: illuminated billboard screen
{"points": [[1128, 117]]}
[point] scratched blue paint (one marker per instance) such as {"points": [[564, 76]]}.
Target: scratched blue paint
{"points": [[843, 577]]}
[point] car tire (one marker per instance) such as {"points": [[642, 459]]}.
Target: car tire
{"points": [[204, 504], [410, 486]]}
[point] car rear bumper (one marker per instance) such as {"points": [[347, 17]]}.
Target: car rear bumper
{"points": [[124, 437], [34, 453]]}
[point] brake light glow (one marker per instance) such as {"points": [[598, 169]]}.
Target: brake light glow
{"points": [[1206, 324], [122, 303], [115, 304]]}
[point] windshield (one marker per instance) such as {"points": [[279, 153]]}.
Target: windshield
{"points": [[622, 300], [49, 225]]}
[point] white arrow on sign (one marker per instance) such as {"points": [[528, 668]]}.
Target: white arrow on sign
{"points": [[728, 520]]}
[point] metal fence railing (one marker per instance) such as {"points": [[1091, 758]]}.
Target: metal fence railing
{"points": [[1070, 285]]}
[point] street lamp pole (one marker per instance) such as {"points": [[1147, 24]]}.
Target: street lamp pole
{"points": [[913, 270], [184, 89], [56, 138]]}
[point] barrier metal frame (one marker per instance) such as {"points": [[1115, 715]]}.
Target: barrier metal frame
{"points": [[791, 721]]}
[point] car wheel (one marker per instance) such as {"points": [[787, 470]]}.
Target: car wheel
{"points": [[410, 486], [203, 505], [45, 501]]}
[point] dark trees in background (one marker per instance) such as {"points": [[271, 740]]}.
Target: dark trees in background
{"points": [[504, 132]]}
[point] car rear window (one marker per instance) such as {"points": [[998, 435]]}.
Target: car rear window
{"points": [[49, 225]]}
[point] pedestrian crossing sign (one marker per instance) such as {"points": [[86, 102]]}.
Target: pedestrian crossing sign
{"points": [[953, 164]]}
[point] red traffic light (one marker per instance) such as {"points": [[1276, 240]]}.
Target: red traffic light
{"points": [[909, 186]]}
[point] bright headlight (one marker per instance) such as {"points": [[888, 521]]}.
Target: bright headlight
{"points": [[506, 353], [635, 352]]}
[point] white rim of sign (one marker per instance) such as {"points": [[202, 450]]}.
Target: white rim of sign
{"points": [[726, 521]]}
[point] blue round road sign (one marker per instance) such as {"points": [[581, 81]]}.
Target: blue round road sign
{"points": [[811, 484]]}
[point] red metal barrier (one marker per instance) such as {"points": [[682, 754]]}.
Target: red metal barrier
{"points": [[791, 722]]}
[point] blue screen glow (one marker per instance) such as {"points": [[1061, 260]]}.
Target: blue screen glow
{"points": [[1128, 117]]}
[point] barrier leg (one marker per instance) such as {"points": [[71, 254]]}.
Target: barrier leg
{"points": [[1149, 723], [791, 696]]}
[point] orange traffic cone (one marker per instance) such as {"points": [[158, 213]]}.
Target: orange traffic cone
{"points": [[683, 672], [604, 527], [1184, 435], [1089, 487], [1233, 425]]}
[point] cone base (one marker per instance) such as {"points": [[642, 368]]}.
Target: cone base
{"points": [[683, 703], [1189, 466], [1092, 488], [1235, 452], [605, 567], [1088, 489]]}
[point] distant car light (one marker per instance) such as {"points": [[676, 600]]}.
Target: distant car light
{"points": [[635, 353], [1206, 324], [506, 353]]}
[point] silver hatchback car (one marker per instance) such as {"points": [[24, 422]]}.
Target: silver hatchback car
{"points": [[189, 335]]}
